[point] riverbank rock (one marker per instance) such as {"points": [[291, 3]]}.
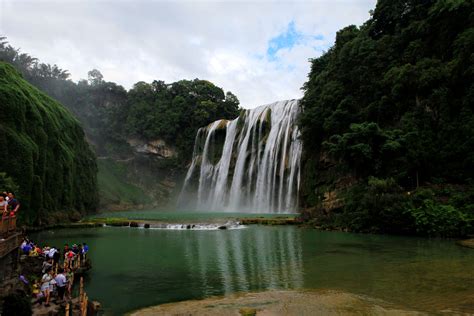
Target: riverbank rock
{"points": [[323, 302], [469, 243]]}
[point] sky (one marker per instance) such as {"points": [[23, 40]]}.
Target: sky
{"points": [[259, 50]]}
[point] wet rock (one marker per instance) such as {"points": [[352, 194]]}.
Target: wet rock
{"points": [[133, 224], [93, 308], [146, 226], [222, 227]]}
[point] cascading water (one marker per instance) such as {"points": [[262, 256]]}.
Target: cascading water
{"points": [[250, 164]]}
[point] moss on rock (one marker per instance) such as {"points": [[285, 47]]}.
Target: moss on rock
{"points": [[44, 152]]}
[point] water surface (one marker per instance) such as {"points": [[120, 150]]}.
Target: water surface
{"points": [[136, 267]]}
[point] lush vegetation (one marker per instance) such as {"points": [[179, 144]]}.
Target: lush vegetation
{"points": [[44, 153], [176, 111], [111, 116], [390, 106]]}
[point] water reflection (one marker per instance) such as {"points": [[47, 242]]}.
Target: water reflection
{"points": [[237, 261]]}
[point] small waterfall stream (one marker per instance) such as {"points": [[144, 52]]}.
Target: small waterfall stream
{"points": [[249, 164]]}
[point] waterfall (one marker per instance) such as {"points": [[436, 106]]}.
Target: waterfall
{"points": [[250, 164]]}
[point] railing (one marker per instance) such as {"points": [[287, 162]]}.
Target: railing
{"points": [[80, 303], [10, 243], [8, 225]]}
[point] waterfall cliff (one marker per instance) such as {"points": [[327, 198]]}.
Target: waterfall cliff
{"points": [[250, 164]]}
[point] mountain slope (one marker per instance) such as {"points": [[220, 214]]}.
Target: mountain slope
{"points": [[44, 151]]}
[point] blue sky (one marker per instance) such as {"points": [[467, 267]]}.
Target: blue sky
{"points": [[257, 49], [288, 39]]}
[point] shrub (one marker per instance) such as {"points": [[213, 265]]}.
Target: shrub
{"points": [[434, 219]]}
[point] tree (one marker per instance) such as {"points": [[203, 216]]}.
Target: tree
{"points": [[95, 77]]}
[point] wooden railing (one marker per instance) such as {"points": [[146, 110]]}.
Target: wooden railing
{"points": [[80, 302], [8, 225], [10, 243]]}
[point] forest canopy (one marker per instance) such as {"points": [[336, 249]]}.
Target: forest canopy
{"points": [[394, 100]]}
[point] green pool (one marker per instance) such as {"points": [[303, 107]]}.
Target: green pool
{"points": [[136, 267]]}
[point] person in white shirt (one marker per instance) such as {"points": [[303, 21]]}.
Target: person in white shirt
{"points": [[61, 283], [45, 285]]}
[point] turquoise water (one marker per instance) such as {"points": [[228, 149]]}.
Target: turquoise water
{"points": [[135, 268]]}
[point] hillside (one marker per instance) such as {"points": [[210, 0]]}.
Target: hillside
{"points": [[388, 122], [45, 153]]}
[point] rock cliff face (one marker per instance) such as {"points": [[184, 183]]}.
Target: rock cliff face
{"points": [[323, 184], [157, 147]]}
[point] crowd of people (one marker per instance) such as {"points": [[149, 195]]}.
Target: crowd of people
{"points": [[9, 205], [57, 277]]}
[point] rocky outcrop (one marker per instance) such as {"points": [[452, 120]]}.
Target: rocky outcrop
{"points": [[157, 147]]}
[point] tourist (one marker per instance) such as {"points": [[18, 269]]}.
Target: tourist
{"points": [[45, 285], [38, 250], [75, 249], [34, 250], [61, 283], [47, 265], [36, 290], [52, 253], [70, 279], [46, 251], [70, 258], [56, 256], [85, 249], [26, 248], [3, 205], [13, 204]]}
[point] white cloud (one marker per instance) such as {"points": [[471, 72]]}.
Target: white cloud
{"points": [[221, 41]]}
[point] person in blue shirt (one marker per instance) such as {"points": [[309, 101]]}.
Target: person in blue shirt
{"points": [[13, 204]]}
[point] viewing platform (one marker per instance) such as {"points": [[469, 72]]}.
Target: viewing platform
{"points": [[10, 237]]}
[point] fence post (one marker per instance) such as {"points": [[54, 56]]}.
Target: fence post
{"points": [[81, 289], [84, 304]]}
